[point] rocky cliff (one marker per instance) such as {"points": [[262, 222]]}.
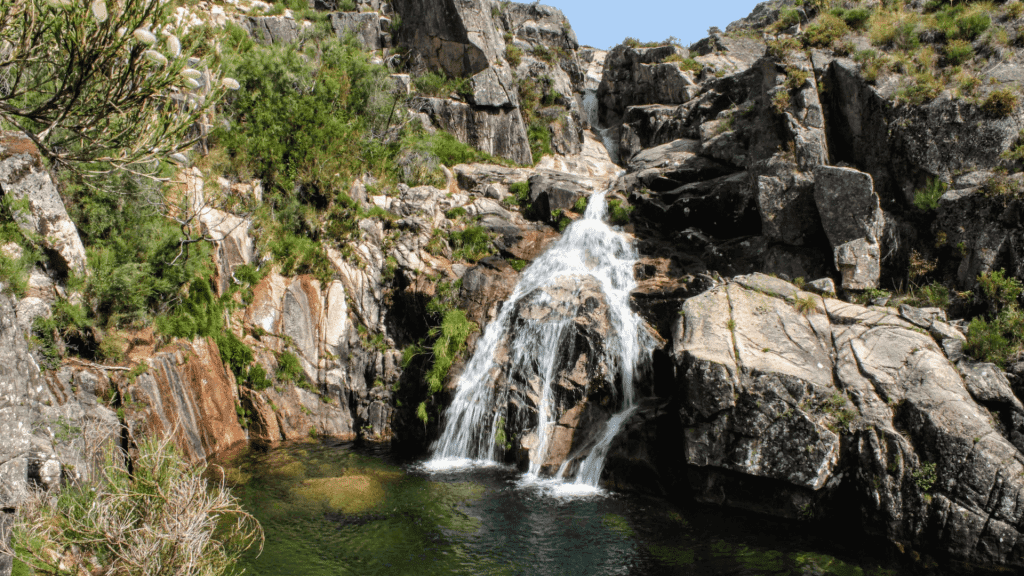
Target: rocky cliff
{"points": [[820, 209]]}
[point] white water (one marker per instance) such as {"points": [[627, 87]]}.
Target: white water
{"points": [[589, 247], [590, 108]]}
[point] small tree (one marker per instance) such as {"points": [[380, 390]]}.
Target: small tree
{"points": [[101, 81]]}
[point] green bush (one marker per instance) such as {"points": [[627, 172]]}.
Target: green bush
{"points": [[825, 31], [999, 289], [618, 213], [857, 19], [539, 136], [451, 341], [472, 244], [158, 516], [289, 369], [934, 294], [927, 198], [958, 52], [1000, 103], [441, 85], [514, 55], [970, 26]]}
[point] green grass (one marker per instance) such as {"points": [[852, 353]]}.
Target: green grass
{"points": [[927, 198], [472, 244]]}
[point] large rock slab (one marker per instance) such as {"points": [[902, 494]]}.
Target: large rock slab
{"points": [[364, 26], [634, 76], [853, 221], [24, 179]]}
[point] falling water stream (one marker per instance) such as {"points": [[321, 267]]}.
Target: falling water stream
{"points": [[472, 424]]}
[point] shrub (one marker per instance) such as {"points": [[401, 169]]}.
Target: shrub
{"points": [[473, 243], [825, 31], [999, 289], [923, 87], [898, 32], [289, 369], [795, 77], [451, 341], [780, 102], [513, 54], [440, 84], [158, 516], [787, 19], [618, 213], [857, 18], [970, 26], [1000, 103], [687, 64], [934, 294], [778, 49], [1014, 9], [455, 213], [927, 198], [539, 136], [805, 304], [925, 476], [580, 206], [958, 52]]}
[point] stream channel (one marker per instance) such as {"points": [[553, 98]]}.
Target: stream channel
{"points": [[334, 509]]}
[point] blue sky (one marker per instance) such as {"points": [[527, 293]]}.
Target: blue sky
{"points": [[605, 23]]}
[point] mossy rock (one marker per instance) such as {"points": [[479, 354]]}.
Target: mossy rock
{"points": [[349, 494]]}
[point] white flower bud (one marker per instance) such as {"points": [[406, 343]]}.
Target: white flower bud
{"points": [[145, 36], [174, 45], [156, 57], [191, 73], [99, 10], [178, 158], [191, 83], [230, 83]]}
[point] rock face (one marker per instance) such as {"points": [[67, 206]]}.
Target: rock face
{"points": [[23, 179], [52, 430], [495, 130], [788, 401], [853, 221]]}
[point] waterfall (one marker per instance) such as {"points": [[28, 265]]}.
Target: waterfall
{"points": [[473, 423], [590, 107]]}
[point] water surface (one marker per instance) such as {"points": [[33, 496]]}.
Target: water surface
{"points": [[329, 509]]}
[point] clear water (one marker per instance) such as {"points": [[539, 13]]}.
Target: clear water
{"points": [[472, 424], [333, 510]]}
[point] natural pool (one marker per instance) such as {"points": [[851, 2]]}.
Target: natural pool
{"points": [[331, 509]]}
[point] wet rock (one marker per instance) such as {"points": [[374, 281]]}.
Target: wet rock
{"points": [[723, 207], [485, 287], [551, 191], [233, 246]]}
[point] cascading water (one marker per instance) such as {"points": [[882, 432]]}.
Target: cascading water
{"points": [[590, 107], [473, 422]]}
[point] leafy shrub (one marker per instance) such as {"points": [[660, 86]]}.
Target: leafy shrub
{"points": [[539, 136], [289, 369], [999, 289], [923, 87], [580, 206], [449, 150], [472, 244], [517, 264], [825, 31], [618, 213], [958, 52], [1000, 103], [160, 516], [451, 341], [455, 213], [925, 476], [787, 19], [927, 198]]}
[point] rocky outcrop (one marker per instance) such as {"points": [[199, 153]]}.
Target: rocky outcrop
{"points": [[634, 76], [496, 130], [53, 429], [853, 222], [37, 206], [788, 401]]}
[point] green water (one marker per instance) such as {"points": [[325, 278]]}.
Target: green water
{"points": [[332, 510]]}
